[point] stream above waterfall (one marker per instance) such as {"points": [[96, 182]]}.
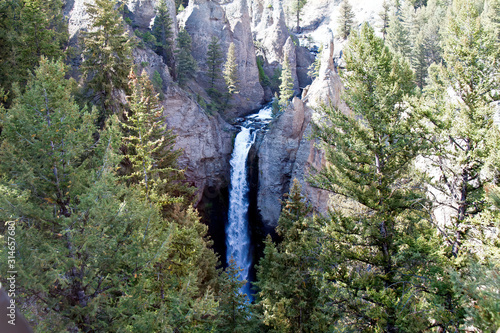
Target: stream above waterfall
{"points": [[238, 245]]}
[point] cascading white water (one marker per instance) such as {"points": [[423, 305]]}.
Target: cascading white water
{"points": [[237, 229], [237, 233]]}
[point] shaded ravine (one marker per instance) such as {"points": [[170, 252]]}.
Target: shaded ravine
{"points": [[238, 245]]}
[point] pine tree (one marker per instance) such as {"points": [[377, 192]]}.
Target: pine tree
{"points": [[84, 236], [289, 297], [458, 103], [95, 253], [313, 71], [346, 19], [214, 61], [398, 36], [472, 71], [384, 16], [162, 31], [419, 61], [377, 252], [230, 72], [149, 146], [30, 29], [235, 312], [186, 65], [296, 7], [286, 86], [107, 56]]}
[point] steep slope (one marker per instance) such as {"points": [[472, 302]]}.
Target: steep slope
{"points": [[287, 151]]}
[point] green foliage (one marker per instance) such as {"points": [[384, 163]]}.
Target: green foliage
{"points": [[263, 78], [162, 31], [295, 6], [107, 57], [95, 253], [346, 19], [286, 86], [398, 36], [458, 105], [186, 65], [83, 236], [384, 17], [276, 79], [179, 5], [214, 61], [157, 81], [235, 312], [150, 155], [313, 71], [230, 72], [378, 252], [464, 121], [29, 29], [289, 298]]}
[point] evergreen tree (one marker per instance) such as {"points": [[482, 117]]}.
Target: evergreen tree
{"points": [[30, 29], [384, 16], [458, 103], [377, 252], [286, 86], [235, 312], [214, 61], [313, 71], [477, 282], [162, 31], [289, 297], [346, 19], [84, 237], [230, 72], [152, 162], [149, 146], [107, 56], [398, 36], [419, 61], [464, 122], [296, 7], [186, 65]]}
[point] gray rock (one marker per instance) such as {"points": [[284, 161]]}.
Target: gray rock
{"points": [[151, 62], [287, 151], [275, 41], [277, 155], [206, 141], [144, 12], [230, 22]]}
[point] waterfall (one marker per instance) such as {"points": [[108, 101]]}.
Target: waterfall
{"points": [[237, 229]]}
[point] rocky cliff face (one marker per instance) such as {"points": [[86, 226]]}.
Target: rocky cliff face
{"points": [[229, 21], [142, 13], [287, 152], [206, 141], [275, 41], [277, 156]]}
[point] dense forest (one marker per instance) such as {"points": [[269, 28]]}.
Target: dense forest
{"points": [[100, 224]]}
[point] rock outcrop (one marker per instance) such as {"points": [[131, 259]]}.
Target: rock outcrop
{"points": [[277, 156], [275, 41], [141, 11], [229, 21], [287, 152], [206, 141]]}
